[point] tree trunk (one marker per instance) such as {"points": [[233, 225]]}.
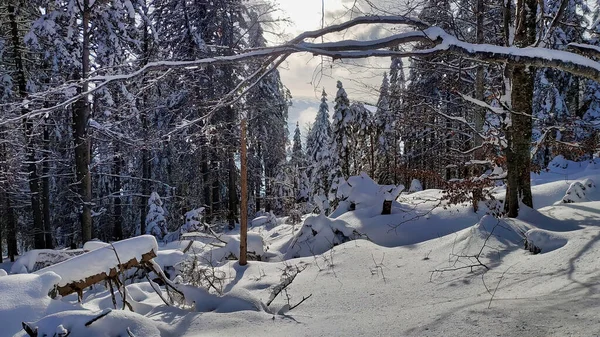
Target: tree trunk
{"points": [[518, 157], [258, 180], [205, 175], [232, 191], [268, 189], [81, 113], [2, 195], [11, 230], [146, 165], [479, 85], [117, 211], [46, 187], [244, 196], [32, 175]]}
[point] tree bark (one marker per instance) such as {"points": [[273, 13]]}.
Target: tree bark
{"points": [[479, 85], [2, 196], [205, 174], [232, 191], [117, 210], [146, 165], [11, 230], [46, 187], [244, 197], [258, 179], [518, 158], [216, 193], [81, 114], [31, 167]]}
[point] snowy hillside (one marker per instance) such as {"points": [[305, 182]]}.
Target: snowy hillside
{"points": [[424, 270]]}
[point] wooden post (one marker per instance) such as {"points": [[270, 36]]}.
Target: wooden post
{"points": [[244, 196]]}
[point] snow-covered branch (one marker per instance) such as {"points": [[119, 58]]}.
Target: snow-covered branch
{"points": [[440, 41]]}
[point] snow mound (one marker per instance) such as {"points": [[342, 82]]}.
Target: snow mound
{"points": [[93, 245], [3, 272], [546, 241], [269, 221], [493, 235], [25, 297], [318, 235], [109, 323], [361, 192], [169, 258], [415, 186], [233, 301], [102, 259], [580, 191]]}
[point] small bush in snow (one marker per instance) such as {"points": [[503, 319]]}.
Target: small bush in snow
{"points": [[468, 191], [201, 273]]}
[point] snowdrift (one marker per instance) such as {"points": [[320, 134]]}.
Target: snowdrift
{"points": [[106, 323], [319, 234]]}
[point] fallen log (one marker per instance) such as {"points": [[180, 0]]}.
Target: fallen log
{"points": [[79, 286], [80, 272]]}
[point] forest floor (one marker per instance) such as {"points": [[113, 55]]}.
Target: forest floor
{"points": [[428, 269]]}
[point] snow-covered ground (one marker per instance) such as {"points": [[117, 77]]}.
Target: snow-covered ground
{"points": [[424, 270]]}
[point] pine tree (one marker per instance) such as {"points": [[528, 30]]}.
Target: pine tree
{"points": [[361, 128], [401, 126], [297, 152], [341, 129], [156, 224], [299, 167], [385, 135], [267, 106], [319, 151]]}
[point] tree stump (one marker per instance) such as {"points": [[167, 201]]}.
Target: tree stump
{"points": [[387, 207]]}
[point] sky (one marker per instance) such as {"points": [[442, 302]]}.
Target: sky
{"points": [[306, 76]]}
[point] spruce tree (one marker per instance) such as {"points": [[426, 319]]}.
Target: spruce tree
{"points": [[319, 151]]}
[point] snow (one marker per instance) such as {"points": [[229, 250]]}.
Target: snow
{"points": [[580, 191], [420, 271], [545, 240], [415, 186], [39, 258], [93, 245], [25, 297], [318, 235], [102, 259], [114, 323]]}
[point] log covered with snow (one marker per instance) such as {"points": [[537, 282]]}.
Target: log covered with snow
{"points": [[103, 263]]}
